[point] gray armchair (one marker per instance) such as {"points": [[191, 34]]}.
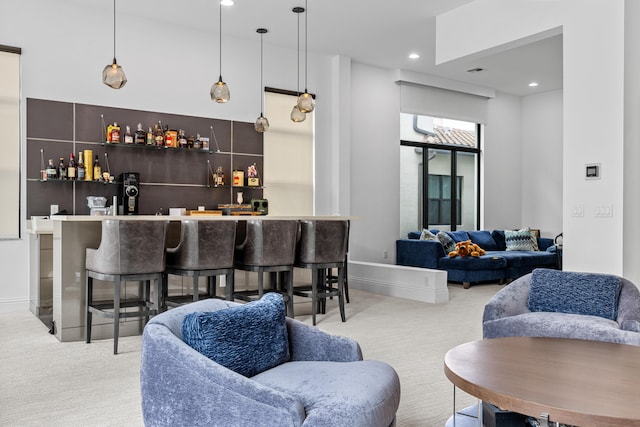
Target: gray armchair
{"points": [[325, 382], [507, 314]]}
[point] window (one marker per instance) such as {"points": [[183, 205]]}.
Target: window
{"points": [[433, 151]]}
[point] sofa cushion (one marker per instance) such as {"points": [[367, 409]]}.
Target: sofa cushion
{"points": [[632, 325], [458, 236], [355, 394], [517, 259], [490, 261], [518, 240], [483, 239], [498, 237], [247, 339], [575, 293], [447, 241]]}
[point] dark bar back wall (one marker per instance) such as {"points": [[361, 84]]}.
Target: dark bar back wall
{"points": [[169, 178]]}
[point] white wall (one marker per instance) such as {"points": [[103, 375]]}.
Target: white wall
{"points": [[502, 163], [593, 108], [542, 162]]}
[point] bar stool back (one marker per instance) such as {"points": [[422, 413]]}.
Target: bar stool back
{"points": [[206, 249], [322, 245], [130, 250], [268, 246]]}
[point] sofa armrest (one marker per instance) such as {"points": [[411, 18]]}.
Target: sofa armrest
{"points": [[180, 386], [418, 253], [308, 343], [509, 301]]}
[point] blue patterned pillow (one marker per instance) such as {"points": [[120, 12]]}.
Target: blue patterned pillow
{"points": [[427, 235], [447, 242], [247, 339], [518, 240], [575, 293]]}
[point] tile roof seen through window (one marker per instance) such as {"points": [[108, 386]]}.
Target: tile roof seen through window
{"points": [[450, 136]]}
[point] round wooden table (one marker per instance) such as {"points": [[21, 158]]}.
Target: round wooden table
{"points": [[577, 382]]}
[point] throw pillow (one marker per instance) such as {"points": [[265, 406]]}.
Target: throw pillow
{"points": [[518, 240], [534, 241], [247, 339], [575, 293], [427, 235], [483, 239], [447, 242]]}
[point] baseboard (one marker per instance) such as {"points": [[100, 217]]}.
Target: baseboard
{"points": [[415, 283], [15, 304]]}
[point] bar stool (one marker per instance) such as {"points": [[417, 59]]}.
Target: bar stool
{"points": [[322, 245], [206, 249], [333, 278], [268, 246], [130, 250]]}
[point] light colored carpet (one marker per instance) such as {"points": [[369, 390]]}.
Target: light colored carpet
{"points": [[47, 383]]}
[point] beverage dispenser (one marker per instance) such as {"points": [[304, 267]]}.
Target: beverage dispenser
{"points": [[129, 192]]}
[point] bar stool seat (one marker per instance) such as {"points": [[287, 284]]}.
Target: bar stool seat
{"points": [[206, 249], [130, 250], [267, 246], [322, 245]]}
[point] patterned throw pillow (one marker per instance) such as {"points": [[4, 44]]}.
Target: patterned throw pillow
{"points": [[247, 339], [518, 240], [427, 235], [534, 241], [447, 242]]}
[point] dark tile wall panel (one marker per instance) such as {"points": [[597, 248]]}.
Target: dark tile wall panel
{"points": [[183, 172], [49, 119]]}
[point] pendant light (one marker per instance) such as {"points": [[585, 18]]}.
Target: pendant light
{"points": [[305, 101], [262, 123], [219, 90], [296, 114], [113, 74]]}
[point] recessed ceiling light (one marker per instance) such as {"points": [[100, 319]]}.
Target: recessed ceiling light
{"points": [[414, 56], [226, 2], [533, 84]]}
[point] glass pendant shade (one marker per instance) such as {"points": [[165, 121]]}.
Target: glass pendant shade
{"points": [[220, 91], [113, 75], [297, 115], [305, 102], [262, 124]]}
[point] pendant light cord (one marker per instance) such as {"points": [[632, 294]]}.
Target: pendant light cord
{"points": [[114, 29], [306, 30], [298, 88], [261, 86], [220, 39]]}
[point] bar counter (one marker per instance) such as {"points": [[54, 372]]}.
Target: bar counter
{"points": [[72, 234]]}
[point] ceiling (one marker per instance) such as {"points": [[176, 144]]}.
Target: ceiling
{"points": [[371, 32]]}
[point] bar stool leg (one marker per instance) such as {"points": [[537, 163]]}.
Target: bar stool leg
{"points": [[89, 302], [314, 295], [116, 314], [289, 276], [341, 293], [146, 298], [195, 285], [229, 286]]}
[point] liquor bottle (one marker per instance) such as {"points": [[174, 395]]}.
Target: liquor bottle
{"points": [[170, 137], [128, 136], [141, 135], [190, 141], [197, 144], [72, 169], [115, 133], [80, 167], [62, 169], [97, 170], [109, 129], [52, 172], [158, 136], [182, 139], [150, 138]]}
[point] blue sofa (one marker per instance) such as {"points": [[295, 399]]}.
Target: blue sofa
{"points": [[497, 265]]}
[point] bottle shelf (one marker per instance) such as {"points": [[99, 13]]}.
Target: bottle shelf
{"points": [[156, 147], [79, 181]]}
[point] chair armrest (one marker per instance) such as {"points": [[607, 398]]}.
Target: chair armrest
{"points": [[309, 343], [418, 253], [628, 303], [509, 301], [544, 243], [180, 386]]}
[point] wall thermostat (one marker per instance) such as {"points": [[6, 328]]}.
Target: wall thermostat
{"points": [[592, 171]]}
